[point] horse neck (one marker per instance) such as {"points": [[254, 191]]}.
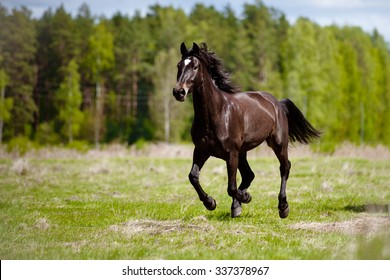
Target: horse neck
{"points": [[207, 99]]}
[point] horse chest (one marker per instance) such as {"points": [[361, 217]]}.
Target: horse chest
{"points": [[201, 137], [209, 141]]}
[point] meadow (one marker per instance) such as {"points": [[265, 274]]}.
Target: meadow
{"points": [[58, 204]]}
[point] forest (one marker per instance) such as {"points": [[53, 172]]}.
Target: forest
{"points": [[90, 79]]}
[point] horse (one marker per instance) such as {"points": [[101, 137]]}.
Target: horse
{"points": [[228, 123]]}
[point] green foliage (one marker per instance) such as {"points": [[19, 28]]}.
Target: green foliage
{"points": [[334, 75], [100, 56], [20, 145], [46, 134], [131, 44], [339, 76], [17, 48], [80, 146], [266, 29], [5, 108], [6, 104], [167, 117], [141, 144], [70, 98]]}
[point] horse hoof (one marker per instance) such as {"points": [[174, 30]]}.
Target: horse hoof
{"points": [[236, 212], [284, 213], [247, 198], [210, 203]]}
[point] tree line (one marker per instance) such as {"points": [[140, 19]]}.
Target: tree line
{"points": [[67, 78]]}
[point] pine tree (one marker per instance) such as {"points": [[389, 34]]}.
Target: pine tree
{"points": [[169, 119], [5, 103], [264, 33], [57, 46], [100, 57], [18, 45], [131, 43], [69, 101]]}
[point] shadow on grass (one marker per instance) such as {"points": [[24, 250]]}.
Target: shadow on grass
{"points": [[369, 208], [225, 216], [221, 216]]}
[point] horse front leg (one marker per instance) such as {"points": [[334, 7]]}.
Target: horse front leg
{"points": [[241, 195], [247, 177], [198, 160]]}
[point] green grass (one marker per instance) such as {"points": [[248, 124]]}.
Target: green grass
{"points": [[145, 208]]}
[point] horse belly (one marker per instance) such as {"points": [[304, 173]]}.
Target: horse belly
{"points": [[258, 127]]}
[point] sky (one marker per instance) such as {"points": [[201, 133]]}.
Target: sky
{"points": [[368, 14]]}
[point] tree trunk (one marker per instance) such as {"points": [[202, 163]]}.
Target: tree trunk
{"points": [[134, 95], [98, 111], [1, 117], [166, 119]]}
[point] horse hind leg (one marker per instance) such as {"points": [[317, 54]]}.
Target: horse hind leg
{"points": [[281, 152], [247, 177]]}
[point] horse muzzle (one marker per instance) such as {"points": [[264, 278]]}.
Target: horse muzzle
{"points": [[180, 94]]}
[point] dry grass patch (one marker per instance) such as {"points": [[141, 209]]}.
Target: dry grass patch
{"points": [[42, 224], [364, 224], [155, 227]]}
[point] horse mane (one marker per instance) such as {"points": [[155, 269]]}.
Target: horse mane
{"points": [[215, 68]]}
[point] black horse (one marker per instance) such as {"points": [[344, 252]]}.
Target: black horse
{"points": [[228, 123]]}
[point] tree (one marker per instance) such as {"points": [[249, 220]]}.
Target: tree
{"points": [[383, 60], [314, 79], [169, 27], [238, 49], [227, 35], [100, 57], [131, 43], [123, 69], [169, 118], [266, 30], [5, 103], [18, 45], [69, 101], [364, 85], [209, 25], [57, 46]]}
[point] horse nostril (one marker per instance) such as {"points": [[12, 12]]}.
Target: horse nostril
{"points": [[179, 94]]}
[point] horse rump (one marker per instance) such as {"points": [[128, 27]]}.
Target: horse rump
{"points": [[299, 128]]}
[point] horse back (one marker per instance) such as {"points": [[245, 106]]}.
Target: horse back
{"points": [[259, 106]]}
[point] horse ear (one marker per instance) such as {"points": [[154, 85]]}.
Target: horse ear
{"points": [[195, 48], [183, 49]]}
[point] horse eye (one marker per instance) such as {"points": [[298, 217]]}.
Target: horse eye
{"points": [[196, 67]]}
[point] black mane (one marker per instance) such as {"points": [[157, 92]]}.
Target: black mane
{"points": [[215, 68]]}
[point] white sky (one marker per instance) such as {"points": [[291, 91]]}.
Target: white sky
{"points": [[368, 14]]}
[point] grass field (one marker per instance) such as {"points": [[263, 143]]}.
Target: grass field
{"points": [[118, 206]]}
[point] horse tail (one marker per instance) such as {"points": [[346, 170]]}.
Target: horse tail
{"points": [[299, 128]]}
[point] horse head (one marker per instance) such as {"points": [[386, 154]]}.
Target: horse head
{"points": [[187, 69]]}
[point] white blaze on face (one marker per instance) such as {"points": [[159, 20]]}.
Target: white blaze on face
{"points": [[187, 61]]}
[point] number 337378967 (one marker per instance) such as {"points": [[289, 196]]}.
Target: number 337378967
{"points": [[241, 270]]}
